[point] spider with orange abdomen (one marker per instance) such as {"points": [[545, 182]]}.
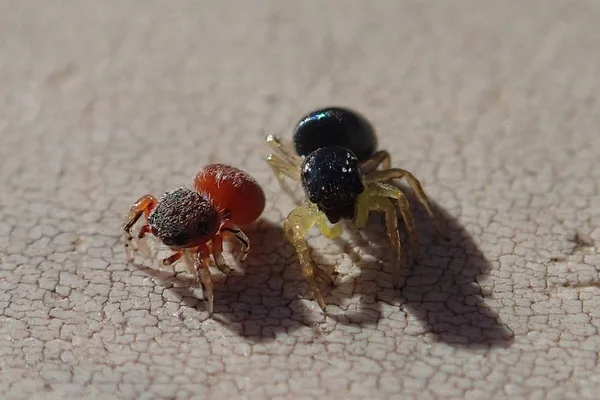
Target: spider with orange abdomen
{"points": [[194, 222]]}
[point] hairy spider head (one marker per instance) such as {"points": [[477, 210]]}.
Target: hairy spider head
{"points": [[184, 218], [331, 179]]}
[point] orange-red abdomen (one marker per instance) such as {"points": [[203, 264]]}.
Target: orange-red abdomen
{"points": [[232, 191]]}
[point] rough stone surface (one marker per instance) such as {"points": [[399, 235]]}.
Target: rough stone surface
{"points": [[494, 105]]}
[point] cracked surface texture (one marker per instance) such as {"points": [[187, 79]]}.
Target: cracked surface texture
{"points": [[493, 105]]}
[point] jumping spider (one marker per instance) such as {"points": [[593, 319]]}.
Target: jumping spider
{"points": [[336, 161], [194, 222]]}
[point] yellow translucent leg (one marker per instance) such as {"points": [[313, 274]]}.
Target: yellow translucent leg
{"points": [[400, 199], [296, 226], [288, 155], [327, 230], [281, 169], [382, 157], [284, 164], [397, 173], [363, 207], [373, 201]]}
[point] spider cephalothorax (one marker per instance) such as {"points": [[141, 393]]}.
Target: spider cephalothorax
{"points": [[183, 217], [337, 163], [331, 180]]}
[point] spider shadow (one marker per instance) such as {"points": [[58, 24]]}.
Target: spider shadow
{"points": [[442, 290], [259, 300]]}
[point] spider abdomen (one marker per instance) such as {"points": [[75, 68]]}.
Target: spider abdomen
{"points": [[235, 193], [335, 126]]}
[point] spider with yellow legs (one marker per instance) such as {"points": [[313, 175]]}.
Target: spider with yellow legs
{"points": [[337, 165]]}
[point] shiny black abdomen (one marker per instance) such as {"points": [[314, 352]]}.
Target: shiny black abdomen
{"points": [[335, 126]]}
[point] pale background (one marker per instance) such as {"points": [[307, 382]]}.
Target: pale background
{"points": [[494, 105]]}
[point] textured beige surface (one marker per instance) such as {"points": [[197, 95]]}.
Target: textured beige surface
{"points": [[494, 105]]}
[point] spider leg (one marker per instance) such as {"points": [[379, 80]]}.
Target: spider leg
{"points": [[296, 226], [401, 201], [144, 230], [284, 151], [201, 264], [398, 173], [216, 248], [143, 205], [363, 207], [172, 259], [375, 202], [228, 229], [381, 157], [188, 262], [329, 232], [282, 168], [140, 245], [284, 164]]}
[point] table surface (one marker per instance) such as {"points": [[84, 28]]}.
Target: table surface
{"points": [[493, 105]]}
